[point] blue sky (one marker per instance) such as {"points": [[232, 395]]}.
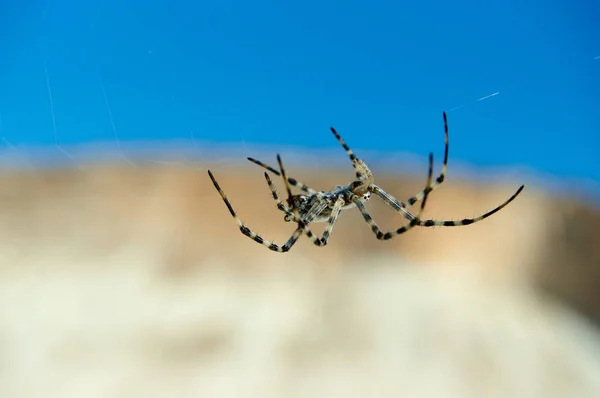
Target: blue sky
{"points": [[281, 73]]}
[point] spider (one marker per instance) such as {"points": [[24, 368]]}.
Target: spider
{"points": [[326, 206]]}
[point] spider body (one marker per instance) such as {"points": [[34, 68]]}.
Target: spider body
{"points": [[314, 206], [304, 203]]}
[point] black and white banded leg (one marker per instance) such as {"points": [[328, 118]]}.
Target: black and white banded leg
{"points": [[319, 206], [335, 212], [430, 223], [253, 235], [362, 171], [294, 182], [414, 220], [401, 207], [411, 201]]}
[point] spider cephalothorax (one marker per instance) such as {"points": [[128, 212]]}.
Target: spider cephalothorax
{"points": [[325, 206]]}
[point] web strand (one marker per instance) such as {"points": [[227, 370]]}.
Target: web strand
{"points": [[56, 144], [475, 101], [114, 127]]}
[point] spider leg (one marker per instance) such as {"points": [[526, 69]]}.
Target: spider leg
{"points": [[294, 182], [415, 220], [362, 171], [253, 235], [391, 201], [468, 221], [440, 178], [335, 212], [314, 211], [281, 206], [397, 205], [430, 223], [344, 145], [303, 219], [285, 182]]}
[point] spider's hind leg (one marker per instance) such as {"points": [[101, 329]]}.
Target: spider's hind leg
{"points": [[251, 234]]}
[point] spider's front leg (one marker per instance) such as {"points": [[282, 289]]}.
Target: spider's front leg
{"points": [[362, 171], [402, 208], [441, 178]]}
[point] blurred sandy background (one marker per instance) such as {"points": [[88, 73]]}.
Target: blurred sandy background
{"points": [[118, 281]]}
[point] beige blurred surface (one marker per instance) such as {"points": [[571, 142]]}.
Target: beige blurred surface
{"points": [[125, 282]]}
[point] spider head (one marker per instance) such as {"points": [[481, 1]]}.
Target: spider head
{"points": [[361, 189]]}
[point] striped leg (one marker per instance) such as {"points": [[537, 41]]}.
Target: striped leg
{"points": [[335, 212], [286, 183], [294, 182], [430, 223], [305, 219], [280, 205], [356, 162], [253, 235], [442, 175], [468, 221], [394, 203], [414, 221], [311, 214]]}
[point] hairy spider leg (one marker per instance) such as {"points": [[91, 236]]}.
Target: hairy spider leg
{"points": [[253, 235]]}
